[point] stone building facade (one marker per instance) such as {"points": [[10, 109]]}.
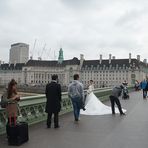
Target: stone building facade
{"points": [[11, 71], [110, 72], [40, 72], [104, 72]]}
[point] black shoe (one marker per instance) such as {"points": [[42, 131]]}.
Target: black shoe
{"points": [[48, 126], [122, 114], [113, 113], [57, 126], [84, 109], [76, 120]]}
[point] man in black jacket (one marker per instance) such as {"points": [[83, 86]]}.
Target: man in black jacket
{"points": [[53, 104]]}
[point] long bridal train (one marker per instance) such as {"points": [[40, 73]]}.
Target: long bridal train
{"points": [[95, 107]]}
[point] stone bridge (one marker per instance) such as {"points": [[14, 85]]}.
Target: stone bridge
{"points": [[130, 131]]}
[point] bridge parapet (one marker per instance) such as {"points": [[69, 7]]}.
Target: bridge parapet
{"points": [[32, 109]]}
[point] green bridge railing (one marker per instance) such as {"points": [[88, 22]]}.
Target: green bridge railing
{"points": [[32, 109]]}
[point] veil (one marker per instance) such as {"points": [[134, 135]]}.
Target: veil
{"points": [[94, 106]]}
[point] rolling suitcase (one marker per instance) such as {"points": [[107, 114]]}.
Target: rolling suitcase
{"points": [[17, 133]]}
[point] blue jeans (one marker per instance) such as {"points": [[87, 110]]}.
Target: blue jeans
{"points": [[76, 107]]}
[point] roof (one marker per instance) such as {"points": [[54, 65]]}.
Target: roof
{"points": [[17, 66], [39, 63], [74, 61], [114, 63], [18, 44]]}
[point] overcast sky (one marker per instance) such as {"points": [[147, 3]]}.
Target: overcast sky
{"points": [[91, 27]]}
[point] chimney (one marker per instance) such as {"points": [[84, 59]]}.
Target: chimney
{"points": [[113, 57], [81, 60], [100, 58], [39, 58], [31, 57], [81, 56], [138, 58], [110, 58], [130, 58], [145, 61]]}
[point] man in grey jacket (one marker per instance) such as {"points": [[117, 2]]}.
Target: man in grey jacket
{"points": [[76, 93], [114, 98]]}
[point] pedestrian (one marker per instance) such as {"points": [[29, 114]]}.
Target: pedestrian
{"points": [[143, 86], [114, 98], [76, 93], [137, 85], [53, 103], [10, 99], [125, 83], [146, 89]]}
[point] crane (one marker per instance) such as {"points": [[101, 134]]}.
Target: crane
{"points": [[48, 54], [31, 57], [43, 50]]}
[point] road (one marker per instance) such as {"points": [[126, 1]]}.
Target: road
{"points": [[130, 131]]}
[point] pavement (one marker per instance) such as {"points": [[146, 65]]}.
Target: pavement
{"points": [[130, 131]]}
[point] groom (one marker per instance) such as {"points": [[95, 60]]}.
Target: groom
{"points": [[76, 93], [53, 104]]}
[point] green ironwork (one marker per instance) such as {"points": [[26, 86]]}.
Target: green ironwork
{"points": [[32, 109]]}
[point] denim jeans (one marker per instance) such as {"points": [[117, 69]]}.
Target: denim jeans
{"points": [[76, 107], [144, 93]]}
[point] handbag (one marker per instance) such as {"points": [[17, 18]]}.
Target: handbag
{"points": [[4, 101]]}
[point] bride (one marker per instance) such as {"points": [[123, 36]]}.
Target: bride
{"points": [[93, 105]]}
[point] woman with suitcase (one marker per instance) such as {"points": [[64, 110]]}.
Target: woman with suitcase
{"points": [[13, 98], [17, 133]]}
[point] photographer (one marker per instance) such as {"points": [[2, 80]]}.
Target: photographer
{"points": [[114, 98]]}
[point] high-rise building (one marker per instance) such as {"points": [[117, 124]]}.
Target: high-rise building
{"points": [[19, 53]]}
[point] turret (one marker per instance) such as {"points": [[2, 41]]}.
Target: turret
{"points": [[60, 58]]}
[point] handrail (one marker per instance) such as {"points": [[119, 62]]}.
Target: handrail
{"points": [[32, 108]]}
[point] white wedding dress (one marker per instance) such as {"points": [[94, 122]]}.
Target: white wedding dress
{"points": [[94, 106]]}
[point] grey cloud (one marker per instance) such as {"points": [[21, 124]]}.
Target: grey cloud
{"points": [[78, 3], [76, 25], [131, 16]]}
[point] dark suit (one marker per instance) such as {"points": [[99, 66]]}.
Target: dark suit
{"points": [[53, 104]]}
